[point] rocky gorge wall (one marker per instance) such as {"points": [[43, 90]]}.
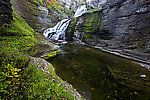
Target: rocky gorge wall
{"points": [[127, 19], [128, 22], [124, 27], [5, 11], [85, 26]]}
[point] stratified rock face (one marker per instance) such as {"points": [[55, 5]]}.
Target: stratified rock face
{"points": [[5, 12], [127, 19], [88, 23]]}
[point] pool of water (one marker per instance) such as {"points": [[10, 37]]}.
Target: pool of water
{"points": [[98, 75]]}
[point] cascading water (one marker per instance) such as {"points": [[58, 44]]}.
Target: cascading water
{"points": [[58, 31], [81, 10]]}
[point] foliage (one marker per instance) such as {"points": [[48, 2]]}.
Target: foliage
{"points": [[18, 79], [19, 82], [11, 64], [10, 78], [39, 86]]}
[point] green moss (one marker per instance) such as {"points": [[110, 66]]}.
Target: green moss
{"points": [[42, 87], [50, 55], [33, 9], [41, 2], [17, 27], [30, 11], [18, 35], [100, 41], [49, 7], [93, 10], [36, 2], [71, 28], [140, 43], [30, 83], [75, 20], [91, 22], [89, 36], [19, 80]]}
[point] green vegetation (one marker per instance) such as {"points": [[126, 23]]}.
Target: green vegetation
{"points": [[140, 43], [71, 28], [17, 36], [92, 22], [93, 10], [89, 36], [41, 2], [88, 23], [21, 82], [58, 8], [18, 79], [50, 55], [30, 11], [41, 87], [100, 41], [18, 27]]}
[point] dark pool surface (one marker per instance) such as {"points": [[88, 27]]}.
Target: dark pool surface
{"points": [[100, 76]]}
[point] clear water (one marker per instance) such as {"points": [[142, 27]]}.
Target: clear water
{"points": [[101, 76]]}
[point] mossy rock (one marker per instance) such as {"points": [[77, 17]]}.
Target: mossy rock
{"points": [[87, 24]]}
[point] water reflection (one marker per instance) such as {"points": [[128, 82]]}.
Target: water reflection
{"points": [[100, 76]]}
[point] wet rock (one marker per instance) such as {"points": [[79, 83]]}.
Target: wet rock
{"points": [[40, 63]]}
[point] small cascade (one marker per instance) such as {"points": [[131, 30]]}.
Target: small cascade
{"points": [[54, 29], [81, 10], [58, 32]]}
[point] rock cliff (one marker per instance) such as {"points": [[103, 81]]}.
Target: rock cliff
{"points": [[85, 26], [128, 22], [5, 12], [124, 27], [127, 19]]}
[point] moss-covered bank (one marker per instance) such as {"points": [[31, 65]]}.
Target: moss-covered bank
{"points": [[20, 79]]}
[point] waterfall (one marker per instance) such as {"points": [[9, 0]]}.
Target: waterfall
{"points": [[58, 31], [81, 10]]}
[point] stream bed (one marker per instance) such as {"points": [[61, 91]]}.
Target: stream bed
{"points": [[98, 75]]}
